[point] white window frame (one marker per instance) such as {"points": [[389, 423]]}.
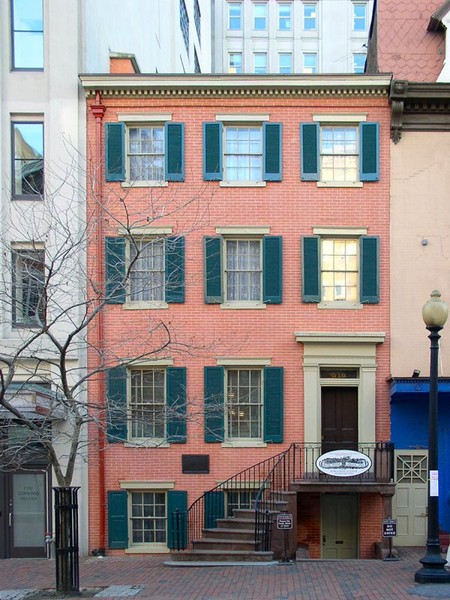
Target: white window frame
{"points": [[259, 69], [232, 68], [284, 18], [239, 241], [153, 301], [287, 70], [242, 127], [357, 19], [156, 440], [308, 18], [260, 6], [20, 254], [359, 68], [260, 420], [307, 68], [231, 18]]}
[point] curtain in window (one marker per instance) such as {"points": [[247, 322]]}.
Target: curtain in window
{"points": [[147, 270], [244, 270]]}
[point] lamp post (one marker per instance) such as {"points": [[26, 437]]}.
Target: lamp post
{"points": [[434, 313]]}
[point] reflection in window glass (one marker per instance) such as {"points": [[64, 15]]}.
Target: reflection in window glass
{"points": [[260, 17], [146, 270], [235, 16], [235, 64], [310, 63], [260, 63], [27, 34], [243, 153], [146, 153], [339, 270], [359, 16], [28, 291], [285, 59], [359, 62], [28, 165], [339, 154], [284, 17], [310, 16]]}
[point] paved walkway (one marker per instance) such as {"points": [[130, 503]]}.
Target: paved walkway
{"points": [[304, 580]]}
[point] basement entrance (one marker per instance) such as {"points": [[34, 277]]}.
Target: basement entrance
{"points": [[339, 528]]}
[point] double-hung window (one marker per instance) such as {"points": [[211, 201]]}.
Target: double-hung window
{"points": [[243, 269], [340, 151], [145, 270], [285, 62], [340, 268], [235, 62], [147, 404], [144, 150], [27, 34], [285, 16], [243, 402], [359, 63], [28, 287], [310, 16], [359, 16], [260, 16], [28, 160], [310, 63], [235, 16], [260, 63], [242, 150]]}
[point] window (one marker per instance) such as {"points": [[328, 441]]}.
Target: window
{"points": [[235, 62], [27, 34], [28, 287], [140, 516], [238, 500], [341, 269], [144, 153], [260, 16], [146, 403], [28, 164], [142, 270], [285, 17], [243, 271], [184, 24], [340, 154], [197, 19], [243, 404], [260, 63], [359, 16], [285, 61], [310, 16], [235, 16], [310, 63], [241, 152], [359, 63]]}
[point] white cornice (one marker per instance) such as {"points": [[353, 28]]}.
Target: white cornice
{"points": [[232, 85]]}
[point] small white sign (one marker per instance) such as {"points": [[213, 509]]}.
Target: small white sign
{"points": [[343, 463], [434, 483]]}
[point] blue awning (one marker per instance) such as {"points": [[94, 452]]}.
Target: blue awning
{"points": [[417, 388]]}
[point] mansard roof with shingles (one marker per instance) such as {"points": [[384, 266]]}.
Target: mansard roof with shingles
{"points": [[409, 40]]}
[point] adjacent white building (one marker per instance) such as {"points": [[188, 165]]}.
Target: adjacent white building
{"points": [[297, 36]]}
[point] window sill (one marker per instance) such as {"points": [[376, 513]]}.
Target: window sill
{"points": [[242, 184], [148, 549], [243, 305], [346, 184], [145, 305], [244, 444], [139, 184], [145, 443], [341, 305]]}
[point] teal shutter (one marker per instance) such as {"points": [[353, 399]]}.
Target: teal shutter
{"points": [[115, 151], [214, 404], [176, 404], [212, 151], [174, 275], [174, 160], [310, 145], [115, 270], [273, 404], [369, 266], [176, 520], [272, 151], [118, 520], [272, 269], [311, 269], [369, 151], [214, 508], [213, 270], [116, 404]]}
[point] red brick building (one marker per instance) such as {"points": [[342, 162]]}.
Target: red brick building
{"points": [[243, 241]]}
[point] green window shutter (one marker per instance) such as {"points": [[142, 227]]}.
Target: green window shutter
{"points": [[116, 403], [174, 160], [369, 266], [176, 405], [213, 270], [311, 269], [118, 520], [212, 151], [214, 508], [272, 269], [214, 404], [272, 135], [176, 519], [115, 151], [369, 151], [174, 275], [115, 270], [273, 404], [310, 145]]}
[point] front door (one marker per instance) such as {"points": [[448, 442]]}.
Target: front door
{"points": [[27, 513], [339, 418], [340, 526], [410, 500]]}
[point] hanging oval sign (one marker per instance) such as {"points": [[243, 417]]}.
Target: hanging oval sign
{"points": [[343, 463]]}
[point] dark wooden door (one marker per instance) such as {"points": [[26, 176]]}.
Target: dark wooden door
{"points": [[339, 418]]}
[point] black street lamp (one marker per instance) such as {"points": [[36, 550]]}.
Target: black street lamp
{"points": [[434, 313]]}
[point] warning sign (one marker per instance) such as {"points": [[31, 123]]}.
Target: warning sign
{"points": [[285, 521], [389, 527]]}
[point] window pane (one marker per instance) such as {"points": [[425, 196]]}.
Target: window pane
{"points": [[148, 518], [147, 403], [28, 164], [260, 16], [243, 154], [359, 62], [146, 153], [28, 34], [260, 63], [359, 17], [29, 303], [285, 60], [339, 154], [310, 63], [284, 17], [244, 403], [339, 265], [310, 16], [147, 270], [243, 270], [235, 16], [235, 64]]}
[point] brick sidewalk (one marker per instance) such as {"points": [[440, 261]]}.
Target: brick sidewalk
{"points": [[304, 580]]}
